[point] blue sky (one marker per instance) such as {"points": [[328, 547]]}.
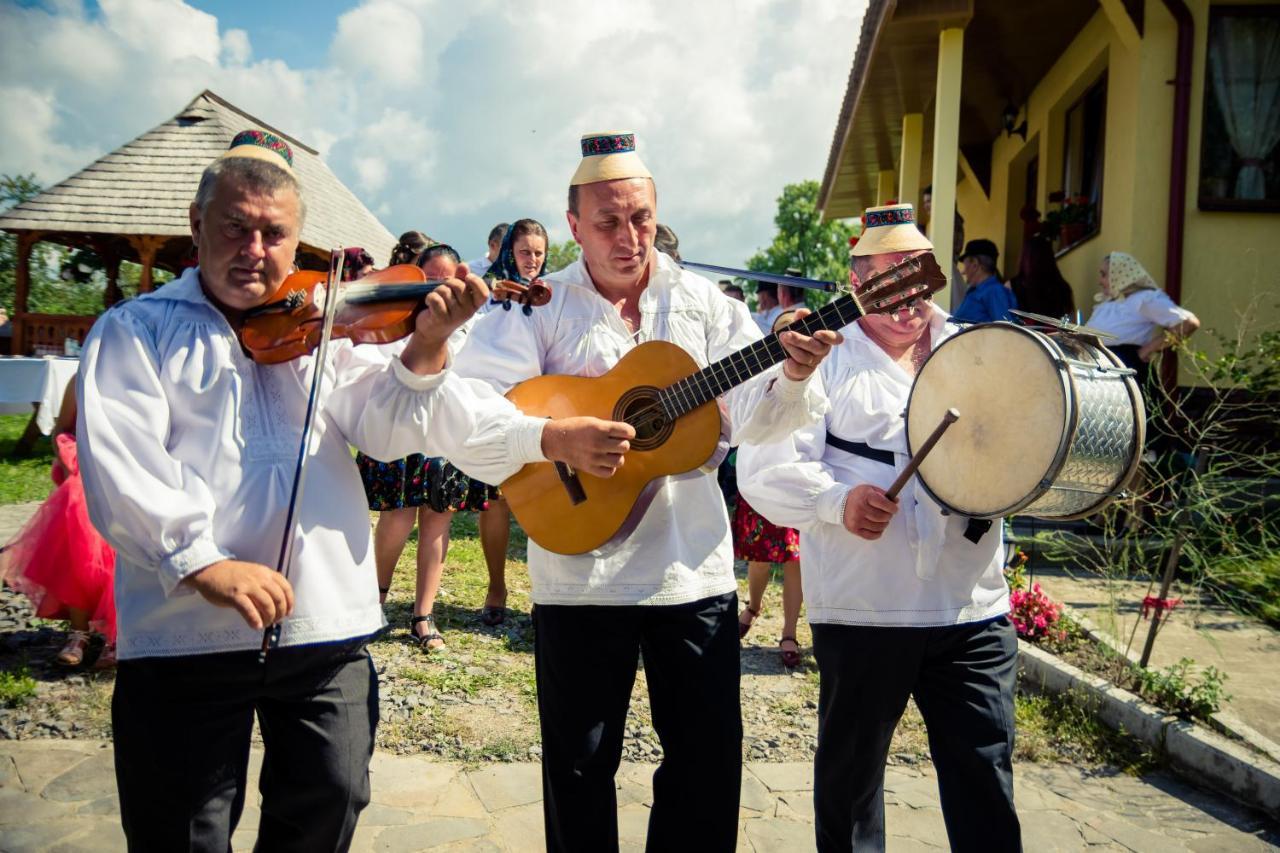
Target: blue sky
{"points": [[449, 116]]}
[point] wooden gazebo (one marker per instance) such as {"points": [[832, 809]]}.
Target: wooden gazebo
{"points": [[131, 205]]}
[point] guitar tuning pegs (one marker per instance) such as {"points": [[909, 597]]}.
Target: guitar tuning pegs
{"points": [[528, 310], [506, 305]]}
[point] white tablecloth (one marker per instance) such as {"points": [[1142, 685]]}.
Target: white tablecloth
{"points": [[42, 381]]}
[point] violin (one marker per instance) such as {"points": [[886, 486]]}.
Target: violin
{"points": [[377, 309]]}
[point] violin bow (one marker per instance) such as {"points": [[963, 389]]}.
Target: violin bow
{"points": [[271, 635]]}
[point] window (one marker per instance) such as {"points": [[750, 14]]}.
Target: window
{"points": [[1079, 213], [1240, 131]]}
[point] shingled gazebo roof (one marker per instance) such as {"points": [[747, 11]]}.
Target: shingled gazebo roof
{"points": [[144, 188]]}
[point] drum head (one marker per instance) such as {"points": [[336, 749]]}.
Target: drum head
{"points": [[1013, 404]]}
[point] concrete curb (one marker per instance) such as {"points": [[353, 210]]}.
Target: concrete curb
{"points": [[1224, 722], [1195, 751]]}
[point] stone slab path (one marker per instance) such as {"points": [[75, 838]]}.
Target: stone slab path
{"points": [[60, 796], [1200, 629], [12, 517]]}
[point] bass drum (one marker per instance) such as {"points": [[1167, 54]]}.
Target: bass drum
{"points": [[1051, 425]]}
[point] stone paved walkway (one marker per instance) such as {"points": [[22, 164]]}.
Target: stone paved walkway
{"points": [[12, 517], [60, 796]]}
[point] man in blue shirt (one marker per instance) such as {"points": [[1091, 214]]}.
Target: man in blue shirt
{"points": [[987, 299]]}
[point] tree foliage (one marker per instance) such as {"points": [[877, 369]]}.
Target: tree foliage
{"points": [[560, 255], [804, 242]]}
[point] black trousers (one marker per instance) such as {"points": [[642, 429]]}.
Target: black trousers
{"points": [[182, 727], [586, 666], [962, 678]]}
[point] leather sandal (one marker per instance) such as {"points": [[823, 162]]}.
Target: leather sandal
{"points": [[107, 657], [492, 615], [72, 653], [744, 627], [790, 658], [425, 641]]}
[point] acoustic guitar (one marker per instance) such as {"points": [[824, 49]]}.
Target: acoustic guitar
{"points": [[659, 389]]}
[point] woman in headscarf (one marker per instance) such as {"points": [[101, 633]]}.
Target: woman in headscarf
{"points": [[1141, 317], [521, 258]]}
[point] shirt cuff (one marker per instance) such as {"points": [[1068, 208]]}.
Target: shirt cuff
{"points": [[788, 389], [831, 504], [524, 439], [413, 381], [186, 561]]}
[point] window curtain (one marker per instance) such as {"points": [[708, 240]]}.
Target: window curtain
{"points": [[1244, 59]]}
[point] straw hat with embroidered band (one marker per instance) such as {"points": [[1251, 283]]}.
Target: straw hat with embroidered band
{"points": [[891, 228], [609, 157], [261, 145]]}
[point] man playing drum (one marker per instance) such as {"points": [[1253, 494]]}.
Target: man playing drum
{"points": [[903, 601]]}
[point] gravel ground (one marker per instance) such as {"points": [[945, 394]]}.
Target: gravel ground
{"points": [[476, 701]]}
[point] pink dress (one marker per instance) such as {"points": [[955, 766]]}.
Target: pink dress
{"points": [[58, 560]]}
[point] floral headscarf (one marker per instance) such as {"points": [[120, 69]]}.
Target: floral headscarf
{"points": [[505, 266], [1127, 276]]}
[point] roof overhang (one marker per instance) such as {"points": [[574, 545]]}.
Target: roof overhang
{"points": [[1008, 48]]}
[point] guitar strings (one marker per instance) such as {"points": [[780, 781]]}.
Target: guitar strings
{"points": [[718, 372]]}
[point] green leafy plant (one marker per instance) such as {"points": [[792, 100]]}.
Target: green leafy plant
{"points": [[16, 687], [1181, 690]]}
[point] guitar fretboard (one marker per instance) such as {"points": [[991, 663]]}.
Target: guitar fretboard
{"points": [[689, 393]]}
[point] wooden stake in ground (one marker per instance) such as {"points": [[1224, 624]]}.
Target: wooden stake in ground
{"points": [[1171, 562]]}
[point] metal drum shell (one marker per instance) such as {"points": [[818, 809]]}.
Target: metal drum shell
{"points": [[1099, 447]]}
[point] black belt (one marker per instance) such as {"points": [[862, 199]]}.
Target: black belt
{"points": [[861, 448], [973, 531]]}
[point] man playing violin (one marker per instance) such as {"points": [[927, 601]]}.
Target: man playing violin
{"points": [[188, 453], [666, 593], [904, 599]]}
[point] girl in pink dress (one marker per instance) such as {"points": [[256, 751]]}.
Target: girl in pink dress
{"points": [[59, 561]]}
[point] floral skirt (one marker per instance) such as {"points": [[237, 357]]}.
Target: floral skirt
{"points": [[418, 480], [757, 540]]}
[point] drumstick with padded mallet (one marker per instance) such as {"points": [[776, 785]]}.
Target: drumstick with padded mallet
{"points": [[947, 420]]}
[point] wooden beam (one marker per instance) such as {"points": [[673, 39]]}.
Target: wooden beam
{"points": [[22, 290], [909, 165], [946, 150], [146, 247], [1120, 20]]}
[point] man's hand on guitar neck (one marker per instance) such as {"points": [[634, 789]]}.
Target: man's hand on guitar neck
{"points": [[589, 445], [804, 353]]}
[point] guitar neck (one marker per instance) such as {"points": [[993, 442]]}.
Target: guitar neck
{"points": [[689, 393]]}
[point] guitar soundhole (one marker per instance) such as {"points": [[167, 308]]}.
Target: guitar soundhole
{"points": [[641, 408]]}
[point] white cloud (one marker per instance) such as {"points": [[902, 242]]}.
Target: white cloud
{"points": [[236, 49], [448, 117]]}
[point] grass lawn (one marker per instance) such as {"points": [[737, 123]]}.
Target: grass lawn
{"points": [[476, 701], [23, 478]]}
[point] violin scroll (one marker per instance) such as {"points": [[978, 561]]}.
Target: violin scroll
{"points": [[532, 295]]}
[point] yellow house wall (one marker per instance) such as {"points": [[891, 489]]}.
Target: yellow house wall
{"points": [[1230, 260]]}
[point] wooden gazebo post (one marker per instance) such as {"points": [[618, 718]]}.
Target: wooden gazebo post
{"points": [[22, 290], [146, 247]]}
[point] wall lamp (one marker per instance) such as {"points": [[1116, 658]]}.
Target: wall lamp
{"points": [[1010, 116]]}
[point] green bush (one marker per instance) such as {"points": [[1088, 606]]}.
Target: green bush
{"points": [[1176, 688], [16, 687]]}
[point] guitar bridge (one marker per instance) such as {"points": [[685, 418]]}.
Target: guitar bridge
{"points": [[572, 484]]}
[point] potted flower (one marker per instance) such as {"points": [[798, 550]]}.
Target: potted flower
{"points": [[1072, 219]]}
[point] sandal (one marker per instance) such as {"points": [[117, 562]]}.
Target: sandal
{"points": [[426, 640], [72, 653], [790, 658], [744, 627], [492, 615], [107, 657]]}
